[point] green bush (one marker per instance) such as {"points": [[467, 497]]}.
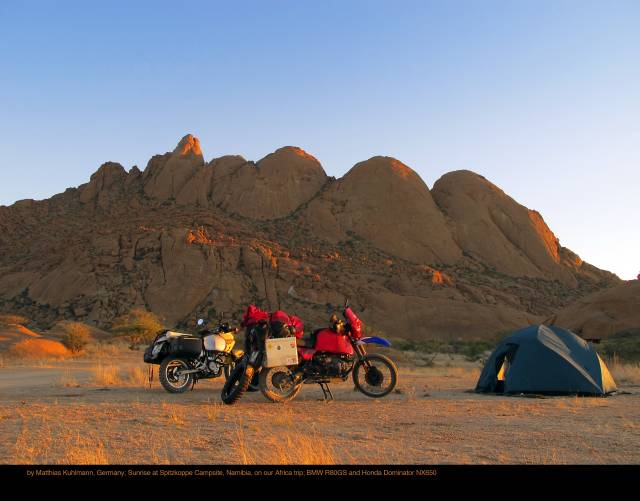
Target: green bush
{"points": [[138, 326], [76, 336], [623, 345]]}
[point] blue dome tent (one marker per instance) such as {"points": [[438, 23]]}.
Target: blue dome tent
{"points": [[547, 360]]}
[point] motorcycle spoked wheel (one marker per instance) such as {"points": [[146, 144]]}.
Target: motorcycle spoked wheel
{"points": [[253, 386], [375, 375], [170, 380], [276, 384], [237, 383]]}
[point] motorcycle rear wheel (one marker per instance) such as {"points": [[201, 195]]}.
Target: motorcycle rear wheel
{"points": [[169, 380], [237, 383], [278, 391], [369, 379]]}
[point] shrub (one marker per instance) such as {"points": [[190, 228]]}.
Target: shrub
{"points": [[76, 336], [138, 327]]}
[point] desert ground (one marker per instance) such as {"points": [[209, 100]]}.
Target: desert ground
{"points": [[99, 408]]}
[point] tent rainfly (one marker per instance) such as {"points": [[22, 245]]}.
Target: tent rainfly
{"points": [[547, 360]]}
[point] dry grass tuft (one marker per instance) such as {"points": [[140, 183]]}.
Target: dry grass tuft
{"points": [[85, 450], [173, 414], [137, 376], [67, 380], [625, 372], [98, 351], [105, 375], [286, 448]]}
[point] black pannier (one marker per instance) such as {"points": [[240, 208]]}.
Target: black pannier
{"points": [[185, 346], [149, 357]]}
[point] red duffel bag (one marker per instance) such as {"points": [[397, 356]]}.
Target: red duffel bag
{"points": [[253, 315], [297, 325]]}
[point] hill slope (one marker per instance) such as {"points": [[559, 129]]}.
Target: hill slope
{"points": [[187, 237]]}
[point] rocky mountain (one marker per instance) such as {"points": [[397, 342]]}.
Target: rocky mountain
{"points": [[604, 313], [186, 237]]}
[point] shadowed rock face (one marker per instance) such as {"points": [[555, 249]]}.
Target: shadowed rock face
{"points": [[603, 313], [187, 238]]}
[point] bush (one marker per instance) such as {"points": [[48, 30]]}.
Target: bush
{"points": [[138, 327], [76, 336], [624, 345]]}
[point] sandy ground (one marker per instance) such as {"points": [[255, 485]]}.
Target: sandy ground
{"points": [[61, 412]]}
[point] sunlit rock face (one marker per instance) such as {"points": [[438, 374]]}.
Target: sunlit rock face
{"points": [[385, 202], [187, 238], [165, 175]]}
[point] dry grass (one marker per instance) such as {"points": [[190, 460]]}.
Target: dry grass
{"points": [[136, 376], [286, 448], [105, 375], [131, 424], [101, 351], [299, 448], [67, 380], [113, 375], [624, 372]]}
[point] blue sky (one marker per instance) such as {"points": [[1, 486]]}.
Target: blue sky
{"points": [[540, 97]]}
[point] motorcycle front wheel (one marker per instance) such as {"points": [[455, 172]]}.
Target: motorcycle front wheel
{"points": [[237, 383], [375, 375], [277, 385], [170, 377]]}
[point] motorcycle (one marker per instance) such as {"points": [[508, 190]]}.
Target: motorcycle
{"points": [[333, 354], [185, 358], [260, 326]]}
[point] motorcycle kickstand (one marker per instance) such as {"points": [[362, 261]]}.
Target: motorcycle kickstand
{"points": [[326, 391]]}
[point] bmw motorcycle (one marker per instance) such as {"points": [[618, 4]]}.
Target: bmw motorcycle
{"points": [[333, 354], [186, 358]]}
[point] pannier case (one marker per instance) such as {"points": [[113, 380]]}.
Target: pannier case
{"points": [[185, 346], [281, 351]]}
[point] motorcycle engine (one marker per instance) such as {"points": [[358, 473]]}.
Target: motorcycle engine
{"points": [[213, 362], [333, 365]]}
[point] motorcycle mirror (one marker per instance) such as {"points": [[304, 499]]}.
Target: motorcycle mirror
{"points": [[200, 322]]}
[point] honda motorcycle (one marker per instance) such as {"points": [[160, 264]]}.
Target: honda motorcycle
{"points": [[333, 354], [185, 358], [260, 326]]}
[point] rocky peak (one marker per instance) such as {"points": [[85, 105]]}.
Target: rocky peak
{"points": [[109, 175], [188, 145], [492, 227], [281, 181], [166, 175]]}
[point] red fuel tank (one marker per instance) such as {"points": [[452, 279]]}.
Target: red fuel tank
{"points": [[328, 340]]}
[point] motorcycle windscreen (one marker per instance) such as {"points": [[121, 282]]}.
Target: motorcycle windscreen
{"points": [[329, 341], [354, 322]]}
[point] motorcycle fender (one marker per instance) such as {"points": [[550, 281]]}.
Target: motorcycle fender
{"points": [[374, 340]]}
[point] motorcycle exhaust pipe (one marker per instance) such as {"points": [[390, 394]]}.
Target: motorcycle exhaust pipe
{"points": [[189, 371]]}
